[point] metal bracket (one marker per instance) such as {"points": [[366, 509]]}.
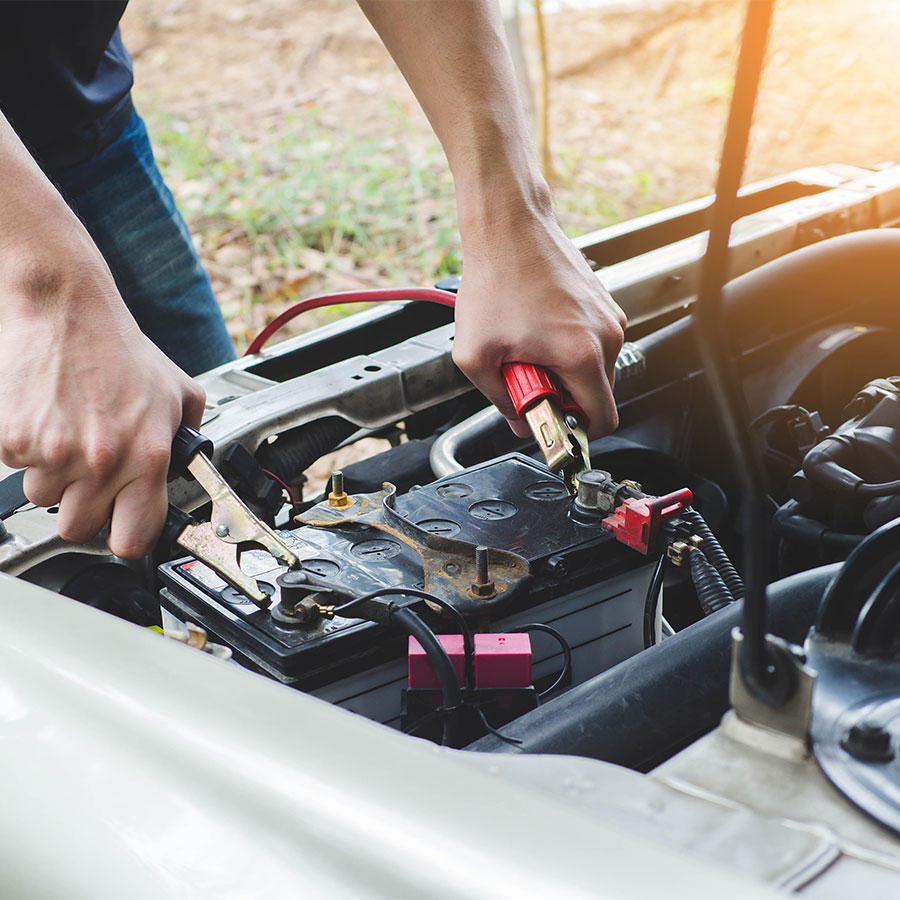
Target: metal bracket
{"points": [[450, 566], [792, 717]]}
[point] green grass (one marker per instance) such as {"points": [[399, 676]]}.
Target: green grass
{"points": [[383, 200], [380, 207]]}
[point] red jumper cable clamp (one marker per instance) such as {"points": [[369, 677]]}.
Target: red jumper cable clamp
{"points": [[556, 421]]}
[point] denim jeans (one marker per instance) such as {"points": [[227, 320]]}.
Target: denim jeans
{"points": [[126, 207]]}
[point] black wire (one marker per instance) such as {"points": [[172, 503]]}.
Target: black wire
{"points": [[759, 673], [492, 730], [468, 644], [428, 717], [451, 698], [651, 602], [777, 412], [712, 592], [566, 649]]}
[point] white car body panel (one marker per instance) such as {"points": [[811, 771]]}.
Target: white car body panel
{"points": [[139, 767]]}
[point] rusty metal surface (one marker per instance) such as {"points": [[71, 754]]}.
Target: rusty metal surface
{"points": [[450, 566]]}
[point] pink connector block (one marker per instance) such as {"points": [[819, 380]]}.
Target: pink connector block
{"points": [[421, 675], [503, 660]]}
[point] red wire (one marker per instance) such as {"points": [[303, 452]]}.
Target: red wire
{"points": [[434, 295]]}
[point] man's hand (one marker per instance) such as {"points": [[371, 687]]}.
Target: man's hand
{"points": [[90, 408], [89, 405], [527, 295]]}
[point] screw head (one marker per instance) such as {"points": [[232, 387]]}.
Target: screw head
{"points": [[558, 567], [222, 531], [868, 742]]}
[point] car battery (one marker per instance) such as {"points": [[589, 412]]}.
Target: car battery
{"points": [[583, 583]]}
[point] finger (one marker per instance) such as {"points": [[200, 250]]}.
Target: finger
{"points": [[84, 509], [595, 397], [138, 518], [495, 391], [193, 405], [44, 487], [485, 373], [519, 428]]}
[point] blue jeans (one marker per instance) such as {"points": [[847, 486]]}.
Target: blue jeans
{"points": [[126, 207]]}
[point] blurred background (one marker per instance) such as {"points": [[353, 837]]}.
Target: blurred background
{"points": [[302, 163]]}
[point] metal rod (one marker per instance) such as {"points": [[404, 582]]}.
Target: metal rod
{"points": [[712, 341]]}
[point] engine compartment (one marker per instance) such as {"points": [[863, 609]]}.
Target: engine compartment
{"points": [[551, 561], [459, 508]]}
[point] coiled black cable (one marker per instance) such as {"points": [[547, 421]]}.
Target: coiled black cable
{"points": [[712, 592], [713, 551], [297, 449]]}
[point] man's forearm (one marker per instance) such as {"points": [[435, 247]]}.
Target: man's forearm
{"points": [[38, 232], [527, 295], [89, 405], [454, 55]]}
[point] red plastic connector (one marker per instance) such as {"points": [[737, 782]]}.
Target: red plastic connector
{"points": [[503, 660], [527, 385], [421, 675], [636, 522]]}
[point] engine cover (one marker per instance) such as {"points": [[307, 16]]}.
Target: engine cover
{"points": [[583, 583]]}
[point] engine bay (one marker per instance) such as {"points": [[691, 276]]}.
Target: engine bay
{"points": [[594, 624]]}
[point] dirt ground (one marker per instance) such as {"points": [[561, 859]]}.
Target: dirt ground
{"points": [[638, 101]]}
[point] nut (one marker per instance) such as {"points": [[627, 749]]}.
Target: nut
{"points": [[868, 742]]}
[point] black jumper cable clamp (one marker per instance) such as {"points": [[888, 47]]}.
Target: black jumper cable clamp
{"points": [[231, 528]]}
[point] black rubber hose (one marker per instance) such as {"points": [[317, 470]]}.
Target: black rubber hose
{"points": [[875, 632], [713, 551], [443, 669], [647, 708], [296, 450], [792, 524], [712, 592], [792, 293], [860, 575]]}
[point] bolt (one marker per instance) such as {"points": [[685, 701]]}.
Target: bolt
{"points": [[338, 497], [482, 558], [307, 612], [483, 586], [868, 742], [222, 531]]}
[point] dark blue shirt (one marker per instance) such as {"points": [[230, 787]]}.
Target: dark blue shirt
{"points": [[65, 77]]}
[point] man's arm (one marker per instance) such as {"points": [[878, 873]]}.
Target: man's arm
{"points": [[527, 294], [88, 403]]}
